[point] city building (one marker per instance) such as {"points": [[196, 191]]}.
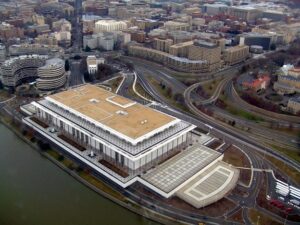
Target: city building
{"points": [[88, 23], [109, 25], [169, 60], [176, 26], [62, 25], [208, 51], [162, 44], [137, 35], [63, 38], [38, 19], [288, 81], [17, 69], [181, 49], [46, 39], [294, 105], [2, 54], [256, 49], [264, 40], [8, 32], [246, 13], [214, 9], [92, 63], [33, 49], [262, 82], [236, 54], [51, 76]]}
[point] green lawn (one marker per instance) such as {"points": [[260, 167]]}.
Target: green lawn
{"points": [[244, 114], [290, 153]]}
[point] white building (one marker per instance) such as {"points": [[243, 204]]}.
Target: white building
{"points": [[122, 132], [62, 25], [63, 36], [109, 25], [93, 62]]}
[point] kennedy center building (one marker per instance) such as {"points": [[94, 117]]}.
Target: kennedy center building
{"points": [[117, 137]]}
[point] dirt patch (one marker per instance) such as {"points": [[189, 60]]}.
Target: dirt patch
{"points": [[237, 217]]}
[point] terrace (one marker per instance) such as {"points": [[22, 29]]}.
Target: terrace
{"points": [[168, 176]]}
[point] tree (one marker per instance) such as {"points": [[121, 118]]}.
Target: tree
{"points": [[87, 48], [104, 70], [169, 92], [67, 65], [83, 66], [178, 97], [273, 47]]}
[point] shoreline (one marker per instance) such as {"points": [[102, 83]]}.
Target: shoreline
{"points": [[130, 205]]}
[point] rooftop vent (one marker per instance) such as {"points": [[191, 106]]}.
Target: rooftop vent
{"points": [[144, 121], [122, 113], [93, 100]]}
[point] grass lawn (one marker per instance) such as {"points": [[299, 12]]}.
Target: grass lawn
{"points": [[289, 171], [114, 83], [290, 153], [164, 92], [244, 114], [140, 90], [4, 95], [100, 185], [210, 87], [259, 218]]}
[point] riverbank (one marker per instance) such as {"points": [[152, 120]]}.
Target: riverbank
{"points": [[84, 176]]}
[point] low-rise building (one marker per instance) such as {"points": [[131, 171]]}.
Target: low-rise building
{"points": [[294, 105], [62, 25], [181, 49], [236, 54], [262, 82], [176, 26], [8, 32], [109, 25], [288, 80], [171, 61], [162, 44], [93, 62]]}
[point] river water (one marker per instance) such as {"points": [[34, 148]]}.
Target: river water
{"points": [[34, 191]]}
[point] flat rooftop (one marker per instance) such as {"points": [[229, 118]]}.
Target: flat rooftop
{"points": [[210, 186], [121, 116], [180, 168]]}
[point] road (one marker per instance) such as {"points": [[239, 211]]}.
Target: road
{"points": [[76, 76]]}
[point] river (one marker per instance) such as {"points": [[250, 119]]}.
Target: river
{"points": [[34, 191]]}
